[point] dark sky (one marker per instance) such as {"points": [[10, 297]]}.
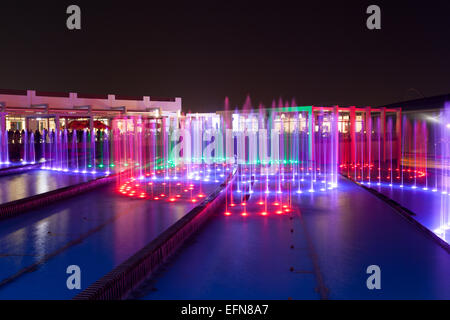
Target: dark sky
{"points": [[319, 52]]}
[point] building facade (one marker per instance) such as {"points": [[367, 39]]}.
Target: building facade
{"points": [[36, 110]]}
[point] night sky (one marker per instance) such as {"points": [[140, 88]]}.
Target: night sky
{"points": [[319, 52]]}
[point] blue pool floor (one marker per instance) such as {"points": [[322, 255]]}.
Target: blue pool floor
{"points": [[321, 250], [96, 231]]}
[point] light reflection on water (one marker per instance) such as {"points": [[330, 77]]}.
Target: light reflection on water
{"points": [[34, 182]]}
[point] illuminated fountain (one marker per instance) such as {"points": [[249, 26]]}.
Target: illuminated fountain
{"points": [[290, 158], [4, 152], [104, 151], [56, 151], [277, 153], [29, 154], [385, 149], [74, 154], [76, 151], [292, 150], [443, 159]]}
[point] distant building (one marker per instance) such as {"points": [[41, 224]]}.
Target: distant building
{"points": [[422, 105], [49, 110]]}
